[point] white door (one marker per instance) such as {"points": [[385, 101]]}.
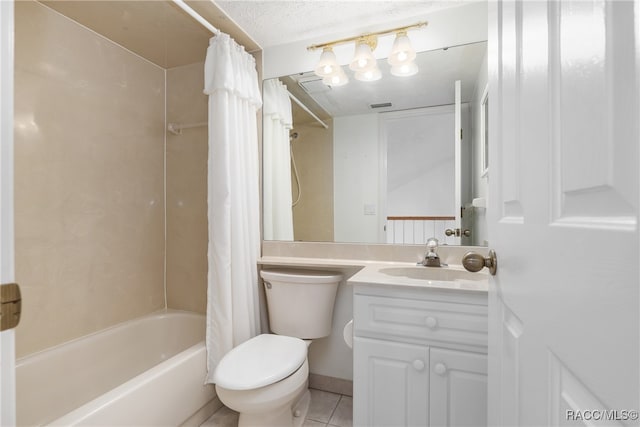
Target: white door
{"points": [[7, 346], [563, 213]]}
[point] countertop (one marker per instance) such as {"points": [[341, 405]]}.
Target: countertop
{"points": [[381, 273]]}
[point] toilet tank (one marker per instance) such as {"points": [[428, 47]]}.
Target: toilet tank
{"points": [[300, 302]]}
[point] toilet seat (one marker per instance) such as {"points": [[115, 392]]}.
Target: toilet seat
{"points": [[260, 361]]}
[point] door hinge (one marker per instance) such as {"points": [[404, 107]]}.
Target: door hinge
{"points": [[461, 134], [10, 306]]}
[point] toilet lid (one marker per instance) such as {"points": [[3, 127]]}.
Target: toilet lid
{"points": [[260, 361]]}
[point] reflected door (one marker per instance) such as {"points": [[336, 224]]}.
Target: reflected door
{"points": [[418, 181]]}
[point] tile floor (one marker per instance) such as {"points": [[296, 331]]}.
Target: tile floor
{"points": [[326, 410]]}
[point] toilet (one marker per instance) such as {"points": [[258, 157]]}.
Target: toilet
{"points": [[265, 379]]}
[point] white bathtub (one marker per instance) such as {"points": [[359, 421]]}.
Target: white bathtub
{"points": [[145, 372]]}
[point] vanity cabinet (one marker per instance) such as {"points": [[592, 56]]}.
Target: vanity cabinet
{"points": [[420, 357]]}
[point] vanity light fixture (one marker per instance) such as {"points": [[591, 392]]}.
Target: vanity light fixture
{"points": [[401, 52], [364, 64], [338, 79], [328, 65], [363, 58], [405, 70]]}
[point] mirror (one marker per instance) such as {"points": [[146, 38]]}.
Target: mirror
{"points": [[378, 163]]}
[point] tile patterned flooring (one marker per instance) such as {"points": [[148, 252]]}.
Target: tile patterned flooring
{"points": [[326, 410]]}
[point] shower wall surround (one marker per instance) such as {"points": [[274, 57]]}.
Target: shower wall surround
{"points": [[313, 152], [89, 178], [187, 190]]}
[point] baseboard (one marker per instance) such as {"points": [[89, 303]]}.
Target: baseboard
{"points": [[203, 413], [331, 384]]}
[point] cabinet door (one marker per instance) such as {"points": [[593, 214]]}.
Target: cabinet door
{"points": [[458, 388], [391, 383]]}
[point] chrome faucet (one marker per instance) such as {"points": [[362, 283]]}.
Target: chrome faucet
{"points": [[431, 259]]}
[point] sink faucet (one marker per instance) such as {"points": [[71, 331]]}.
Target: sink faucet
{"points": [[431, 259]]}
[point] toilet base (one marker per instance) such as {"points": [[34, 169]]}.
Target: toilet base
{"points": [[301, 409], [286, 416]]}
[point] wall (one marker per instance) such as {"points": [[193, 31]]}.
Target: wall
{"points": [[313, 153], [187, 223], [89, 196], [356, 166], [480, 180]]}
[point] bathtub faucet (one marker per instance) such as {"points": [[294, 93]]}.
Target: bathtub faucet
{"points": [[431, 259]]}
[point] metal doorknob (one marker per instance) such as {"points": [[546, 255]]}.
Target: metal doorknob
{"points": [[457, 232], [474, 262]]}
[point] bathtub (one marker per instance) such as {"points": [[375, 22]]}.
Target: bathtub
{"points": [[145, 372]]}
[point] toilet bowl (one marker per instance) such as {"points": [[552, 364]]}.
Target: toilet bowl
{"points": [[265, 379]]}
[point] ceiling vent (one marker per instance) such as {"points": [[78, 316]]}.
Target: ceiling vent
{"points": [[314, 86], [381, 105]]}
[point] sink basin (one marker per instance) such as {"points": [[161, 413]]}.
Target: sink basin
{"points": [[441, 274]]}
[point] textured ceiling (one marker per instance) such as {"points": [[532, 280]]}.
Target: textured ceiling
{"points": [[272, 23]]}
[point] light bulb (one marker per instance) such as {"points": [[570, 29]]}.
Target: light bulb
{"points": [[328, 65], [369, 75], [401, 51], [363, 57], [405, 70], [338, 79]]}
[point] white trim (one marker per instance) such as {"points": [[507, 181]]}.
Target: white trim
{"points": [[7, 272], [484, 143]]}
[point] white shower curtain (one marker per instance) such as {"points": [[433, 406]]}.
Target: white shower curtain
{"points": [[231, 82], [276, 184]]}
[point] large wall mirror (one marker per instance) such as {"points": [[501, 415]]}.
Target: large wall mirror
{"points": [[397, 160]]}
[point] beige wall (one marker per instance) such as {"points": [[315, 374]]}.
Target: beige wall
{"points": [[187, 190], [313, 152], [89, 153]]}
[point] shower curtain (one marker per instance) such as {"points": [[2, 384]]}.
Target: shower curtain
{"points": [[278, 215], [231, 82]]}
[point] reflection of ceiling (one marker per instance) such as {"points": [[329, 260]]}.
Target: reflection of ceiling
{"points": [[433, 85], [156, 30], [273, 23]]}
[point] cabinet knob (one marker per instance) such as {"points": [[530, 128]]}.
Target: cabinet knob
{"points": [[418, 365], [440, 368], [431, 322]]}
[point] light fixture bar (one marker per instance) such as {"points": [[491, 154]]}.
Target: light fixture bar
{"points": [[377, 33]]}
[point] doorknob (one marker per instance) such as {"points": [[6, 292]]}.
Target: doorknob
{"points": [[457, 232], [450, 232], [473, 262]]}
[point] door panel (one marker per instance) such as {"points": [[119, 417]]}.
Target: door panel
{"points": [[564, 317], [391, 383], [458, 388]]}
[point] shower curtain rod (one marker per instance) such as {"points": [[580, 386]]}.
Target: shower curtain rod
{"points": [[176, 128], [195, 15], [305, 108]]}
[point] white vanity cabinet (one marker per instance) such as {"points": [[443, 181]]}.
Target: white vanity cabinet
{"points": [[420, 357]]}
